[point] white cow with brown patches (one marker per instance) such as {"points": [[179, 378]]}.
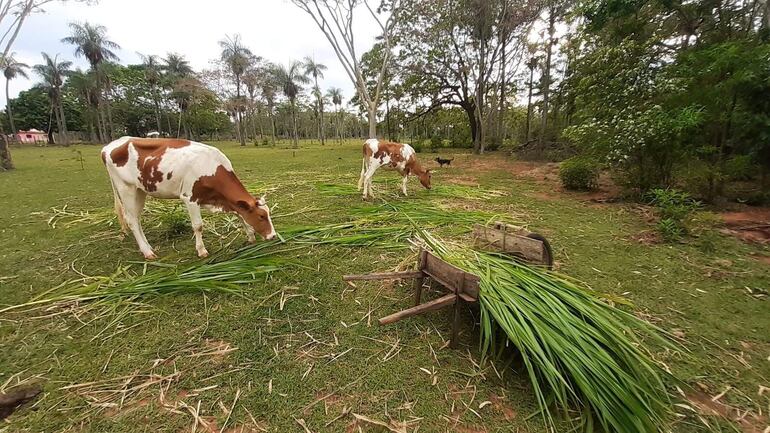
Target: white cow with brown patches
{"points": [[197, 174], [396, 156]]}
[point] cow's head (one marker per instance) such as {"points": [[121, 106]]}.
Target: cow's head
{"points": [[425, 178], [256, 213]]}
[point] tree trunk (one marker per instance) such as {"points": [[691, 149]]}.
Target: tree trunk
{"points": [[63, 131], [179, 125], [8, 108], [238, 117], [5, 153], [372, 121], [546, 90], [294, 123], [238, 133], [470, 111], [111, 126], [528, 129], [272, 126], [157, 111], [503, 83]]}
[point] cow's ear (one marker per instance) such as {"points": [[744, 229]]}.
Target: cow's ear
{"points": [[243, 205]]}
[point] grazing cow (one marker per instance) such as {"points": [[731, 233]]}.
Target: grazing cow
{"points": [[400, 157], [197, 174]]}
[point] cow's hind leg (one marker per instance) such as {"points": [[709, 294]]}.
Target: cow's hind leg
{"points": [[363, 174], [368, 179], [197, 224], [133, 205], [403, 184]]}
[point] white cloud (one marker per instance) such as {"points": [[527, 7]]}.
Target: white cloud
{"points": [[273, 29]]}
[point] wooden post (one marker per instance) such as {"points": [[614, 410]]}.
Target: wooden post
{"points": [[420, 280], [456, 315]]}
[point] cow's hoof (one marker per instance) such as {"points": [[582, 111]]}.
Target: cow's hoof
{"points": [[150, 256], [203, 254], [251, 240]]}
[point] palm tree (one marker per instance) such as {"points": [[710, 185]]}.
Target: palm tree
{"points": [[268, 87], [153, 75], [53, 72], [290, 79], [252, 81], [177, 70], [335, 94], [84, 85], [237, 58], [317, 70], [177, 66], [12, 69], [91, 42]]}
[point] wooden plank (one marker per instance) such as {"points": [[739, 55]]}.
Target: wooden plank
{"points": [[420, 280], [449, 276], [433, 305], [530, 249], [385, 276]]}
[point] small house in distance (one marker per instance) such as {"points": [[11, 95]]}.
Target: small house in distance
{"points": [[32, 136]]}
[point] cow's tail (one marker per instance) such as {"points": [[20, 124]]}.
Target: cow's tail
{"points": [[119, 208]]}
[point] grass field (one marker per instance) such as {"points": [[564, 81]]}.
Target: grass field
{"points": [[302, 351]]}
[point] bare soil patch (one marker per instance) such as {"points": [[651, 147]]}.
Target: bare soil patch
{"points": [[748, 224]]}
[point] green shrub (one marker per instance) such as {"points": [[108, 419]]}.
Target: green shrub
{"points": [[740, 167], [265, 142], [417, 146], [175, 222], [579, 174], [675, 209], [436, 141]]}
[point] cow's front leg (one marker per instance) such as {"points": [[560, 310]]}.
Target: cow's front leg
{"points": [[403, 184], [197, 224], [249, 231]]}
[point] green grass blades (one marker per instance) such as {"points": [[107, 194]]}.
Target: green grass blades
{"points": [[579, 351]]}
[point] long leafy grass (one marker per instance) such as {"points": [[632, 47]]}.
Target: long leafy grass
{"points": [[580, 352]]}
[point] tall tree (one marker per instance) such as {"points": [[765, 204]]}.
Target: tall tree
{"points": [[531, 65], [84, 86], [269, 86], [316, 70], [237, 58], [290, 78], [335, 94], [91, 42], [335, 19], [12, 69], [53, 71], [153, 74], [177, 69], [545, 87], [13, 15]]}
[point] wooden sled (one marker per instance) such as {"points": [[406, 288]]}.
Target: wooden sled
{"points": [[461, 286]]}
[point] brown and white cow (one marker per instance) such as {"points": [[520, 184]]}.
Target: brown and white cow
{"points": [[400, 157], [197, 174]]}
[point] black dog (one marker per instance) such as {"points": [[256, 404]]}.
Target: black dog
{"points": [[441, 161]]}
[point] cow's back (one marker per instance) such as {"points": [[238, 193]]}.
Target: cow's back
{"points": [[164, 168]]}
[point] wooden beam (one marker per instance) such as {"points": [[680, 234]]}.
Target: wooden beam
{"points": [[433, 305], [385, 276], [530, 249]]}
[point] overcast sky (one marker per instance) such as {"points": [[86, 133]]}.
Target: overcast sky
{"points": [[274, 29]]}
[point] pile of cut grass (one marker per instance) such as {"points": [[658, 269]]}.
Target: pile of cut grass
{"points": [[580, 352]]}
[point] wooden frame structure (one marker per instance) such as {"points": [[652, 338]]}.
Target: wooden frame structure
{"points": [[514, 240], [460, 285]]}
